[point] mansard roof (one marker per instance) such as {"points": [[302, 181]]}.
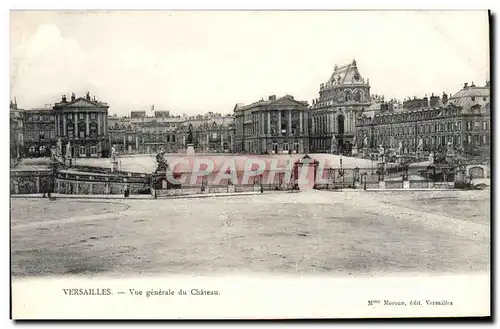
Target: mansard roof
{"points": [[346, 75]]}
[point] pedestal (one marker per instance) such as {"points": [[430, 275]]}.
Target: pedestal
{"points": [[190, 149], [231, 189], [354, 151], [406, 184], [381, 185], [357, 185], [114, 166]]}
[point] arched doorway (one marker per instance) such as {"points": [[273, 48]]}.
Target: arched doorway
{"points": [[340, 129]]}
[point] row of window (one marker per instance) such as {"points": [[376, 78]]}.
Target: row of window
{"points": [[81, 132], [81, 116], [431, 128], [427, 115], [40, 135], [442, 140], [40, 118], [165, 138]]}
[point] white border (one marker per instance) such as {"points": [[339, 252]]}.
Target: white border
{"points": [[148, 4]]}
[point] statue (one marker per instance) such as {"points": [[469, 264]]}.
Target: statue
{"points": [[420, 145], [333, 146], [354, 140], [400, 147], [68, 150], [113, 152], [190, 134], [58, 150], [365, 142], [449, 149], [381, 153], [391, 142], [160, 159], [431, 158]]}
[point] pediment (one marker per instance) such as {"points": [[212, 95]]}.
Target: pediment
{"points": [[82, 103], [286, 102]]}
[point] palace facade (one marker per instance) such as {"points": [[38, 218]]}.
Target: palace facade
{"points": [[139, 133], [462, 120], [83, 123], [39, 132], [16, 131], [277, 125], [333, 115]]}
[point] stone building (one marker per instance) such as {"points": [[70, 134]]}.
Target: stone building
{"points": [[212, 132], [16, 131], [429, 124], [39, 132], [140, 133], [333, 115], [277, 125], [83, 122]]}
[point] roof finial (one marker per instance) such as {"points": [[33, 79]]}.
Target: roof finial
{"points": [[354, 62]]}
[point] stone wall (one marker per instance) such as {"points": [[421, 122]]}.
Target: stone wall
{"points": [[69, 182], [30, 182]]}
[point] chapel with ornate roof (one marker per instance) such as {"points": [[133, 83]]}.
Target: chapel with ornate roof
{"points": [[333, 115]]}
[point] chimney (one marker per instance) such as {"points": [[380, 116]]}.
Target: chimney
{"points": [[73, 97], [472, 85], [87, 96], [434, 100], [445, 98], [466, 85], [63, 98], [272, 97]]}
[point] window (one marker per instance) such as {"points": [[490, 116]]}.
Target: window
{"points": [[469, 139], [81, 130], [31, 149], [285, 147], [92, 116], [82, 150], [93, 150], [173, 138], [473, 98], [42, 135], [70, 131], [80, 116], [52, 134], [93, 130], [485, 125], [459, 125], [485, 140], [69, 116]]}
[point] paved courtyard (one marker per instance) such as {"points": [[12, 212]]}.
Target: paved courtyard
{"points": [[332, 233], [147, 163]]}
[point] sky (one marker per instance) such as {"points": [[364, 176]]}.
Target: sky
{"points": [[195, 62]]}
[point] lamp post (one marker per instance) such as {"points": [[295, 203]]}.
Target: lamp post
{"points": [[341, 171]]}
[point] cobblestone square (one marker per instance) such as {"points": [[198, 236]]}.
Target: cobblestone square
{"points": [[333, 233]]}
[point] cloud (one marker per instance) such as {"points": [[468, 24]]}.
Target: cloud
{"points": [[47, 65]]}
